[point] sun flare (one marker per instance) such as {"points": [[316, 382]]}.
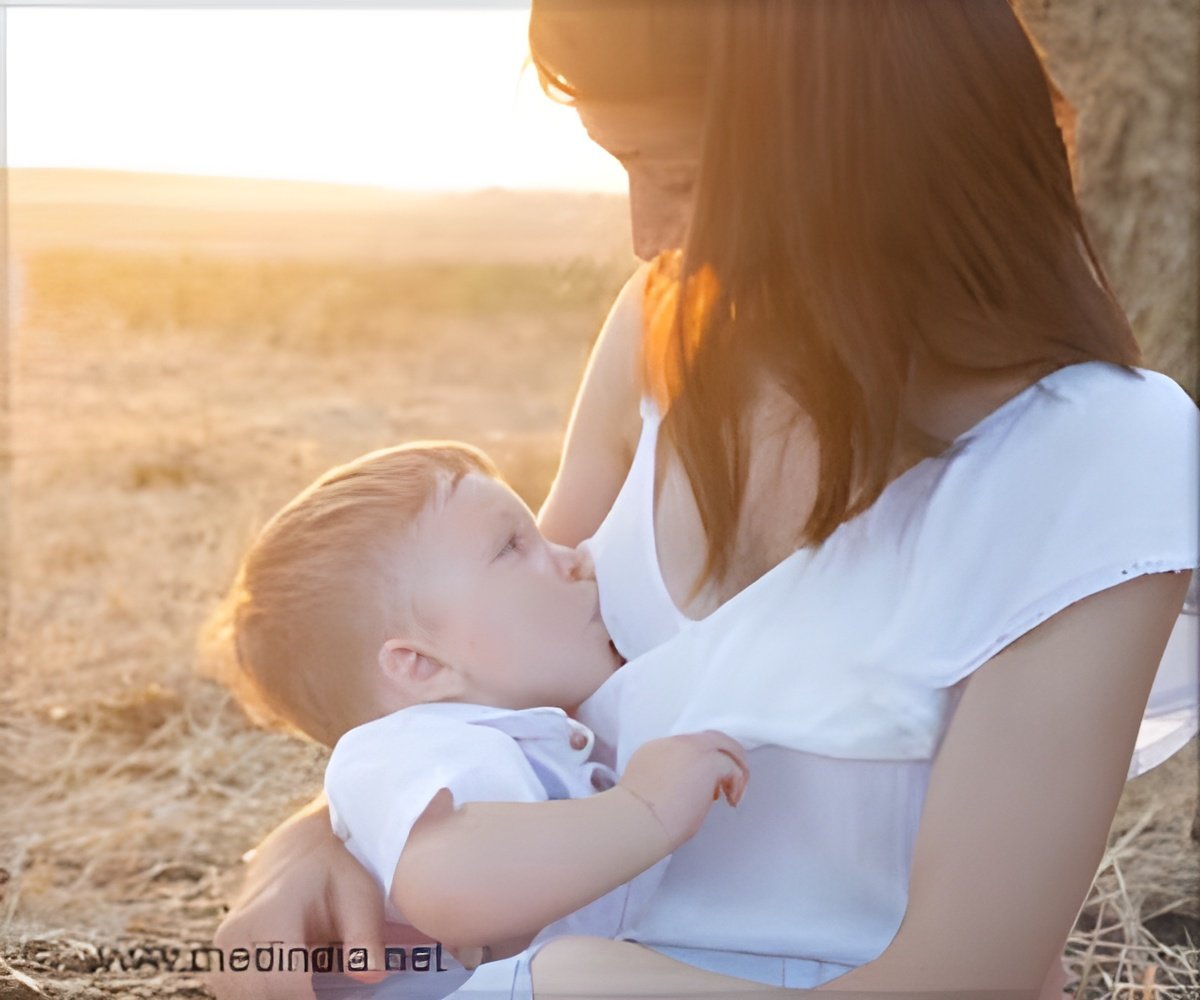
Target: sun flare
{"points": [[402, 98]]}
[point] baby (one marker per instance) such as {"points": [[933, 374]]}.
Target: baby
{"points": [[405, 610]]}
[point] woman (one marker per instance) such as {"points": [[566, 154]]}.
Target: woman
{"points": [[882, 255]]}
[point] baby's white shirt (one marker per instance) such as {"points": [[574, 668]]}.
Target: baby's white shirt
{"points": [[383, 774]]}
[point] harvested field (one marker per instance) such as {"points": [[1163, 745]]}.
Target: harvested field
{"points": [[186, 353]]}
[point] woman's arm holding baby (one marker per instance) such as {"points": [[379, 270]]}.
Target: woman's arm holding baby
{"points": [[494, 871], [302, 887]]}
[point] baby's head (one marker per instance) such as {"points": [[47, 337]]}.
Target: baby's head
{"points": [[410, 575]]}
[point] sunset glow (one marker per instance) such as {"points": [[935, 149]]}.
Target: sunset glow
{"points": [[414, 99]]}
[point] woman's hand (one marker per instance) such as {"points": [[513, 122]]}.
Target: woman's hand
{"points": [[680, 777], [302, 888]]}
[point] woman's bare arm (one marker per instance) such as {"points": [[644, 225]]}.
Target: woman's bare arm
{"points": [[1020, 802], [1024, 789], [604, 426]]}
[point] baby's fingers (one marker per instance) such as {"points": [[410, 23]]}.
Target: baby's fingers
{"points": [[714, 739], [734, 785], [730, 776]]}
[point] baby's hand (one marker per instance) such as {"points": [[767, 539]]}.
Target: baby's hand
{"points": [[680, 777]]}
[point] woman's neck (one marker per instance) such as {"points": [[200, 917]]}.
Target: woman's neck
{"points": [[944, 400]]}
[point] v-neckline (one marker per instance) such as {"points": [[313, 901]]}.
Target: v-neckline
{"points": [[972, 431]]}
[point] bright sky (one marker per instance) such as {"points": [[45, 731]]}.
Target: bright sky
{"points": [[418, 99]]}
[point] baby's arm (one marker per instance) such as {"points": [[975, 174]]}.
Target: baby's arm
{"points": [[498, 871]]}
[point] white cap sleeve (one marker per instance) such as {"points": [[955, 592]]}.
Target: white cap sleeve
{"points": [[1106, 491], [382, 775], [1102, 490]]}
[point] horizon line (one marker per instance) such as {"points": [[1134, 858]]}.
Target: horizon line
{"points": [[374, 186]]}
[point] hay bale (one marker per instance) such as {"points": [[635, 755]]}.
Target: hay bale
{"points": [[1131, 70]]}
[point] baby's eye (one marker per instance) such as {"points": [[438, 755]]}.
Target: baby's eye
{"points": [[512, 545]]}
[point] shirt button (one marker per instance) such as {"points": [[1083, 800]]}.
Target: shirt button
{"points": [[578, 741]]}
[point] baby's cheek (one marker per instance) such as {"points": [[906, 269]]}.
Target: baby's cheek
{"points": [[512, 640]]}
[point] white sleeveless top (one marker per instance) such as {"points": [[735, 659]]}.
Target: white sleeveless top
{"points": [[842, 664]]}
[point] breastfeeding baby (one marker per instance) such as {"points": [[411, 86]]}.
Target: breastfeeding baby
{"points": [[405, 611]]}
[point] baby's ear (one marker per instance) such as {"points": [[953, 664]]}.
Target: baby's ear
{"points": [[418, 678]]}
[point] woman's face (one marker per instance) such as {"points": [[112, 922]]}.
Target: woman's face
{"points": [[659, 146]]}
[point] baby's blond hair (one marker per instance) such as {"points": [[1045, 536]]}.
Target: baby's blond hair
{"points": [[318, 591]]}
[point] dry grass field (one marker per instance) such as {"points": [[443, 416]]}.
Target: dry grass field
{"points": [[188, 353]]}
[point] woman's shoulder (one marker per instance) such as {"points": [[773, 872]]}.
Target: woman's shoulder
{"points": [[1090, 480], [604, 426], [1088, 443], [1097, 464], [1111, 397], [1093, 415]]}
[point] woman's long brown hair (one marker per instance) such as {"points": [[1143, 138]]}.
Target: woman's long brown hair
{"points": [[877, 178]]}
